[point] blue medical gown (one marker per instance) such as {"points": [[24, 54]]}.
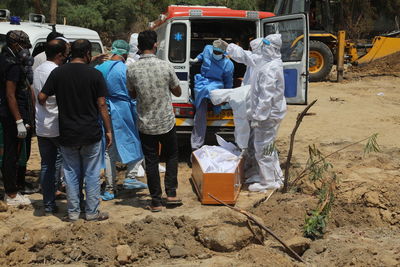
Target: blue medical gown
{"points": [[123, 112], [214, 74]]}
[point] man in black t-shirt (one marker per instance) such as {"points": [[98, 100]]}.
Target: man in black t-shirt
{"points": [[15, 113], [80, 92]]}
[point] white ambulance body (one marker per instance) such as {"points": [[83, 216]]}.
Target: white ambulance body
{"points": [[183, 31]]}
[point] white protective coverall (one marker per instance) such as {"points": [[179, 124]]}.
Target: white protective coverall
{"points": [[250, 59], [239, 98], [133, 49], [268, 108]]}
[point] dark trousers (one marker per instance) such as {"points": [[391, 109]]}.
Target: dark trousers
{"points": [[150, 146], [13, 173]]}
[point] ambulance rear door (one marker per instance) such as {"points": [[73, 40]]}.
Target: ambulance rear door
{"points": [[177, 53], [294, 30]]}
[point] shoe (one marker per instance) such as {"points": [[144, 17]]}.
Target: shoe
{"points": [[134, 184], [29, 189], [154, 208], [66, 218], [100, 216], [253, 179], [257, 187], [107, 196], [173, 201], [17, 200], [50, 211], [161, 168]]}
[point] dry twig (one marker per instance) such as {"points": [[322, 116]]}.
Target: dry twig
{"points": [[251, 217], [300, 117]]}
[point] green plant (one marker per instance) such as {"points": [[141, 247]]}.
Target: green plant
{"points": [[372, 145], [317, 163], [269, 149]]}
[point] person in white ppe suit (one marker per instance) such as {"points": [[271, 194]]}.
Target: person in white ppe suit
{"points": [[133, 50], [238, 98], [267, 109]]}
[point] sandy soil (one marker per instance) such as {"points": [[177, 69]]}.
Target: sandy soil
{"points": [[363, 230]]}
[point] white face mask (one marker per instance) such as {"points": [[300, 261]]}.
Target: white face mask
{"points": [[217, 57]]}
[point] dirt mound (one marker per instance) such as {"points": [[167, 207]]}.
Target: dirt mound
{"points": [[356, 246], [149, 239], [389, 65]]}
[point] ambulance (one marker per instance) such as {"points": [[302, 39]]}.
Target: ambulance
{"points": [[37, 30], [183, 31]]}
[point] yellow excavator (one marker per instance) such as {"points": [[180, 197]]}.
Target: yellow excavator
{"points": [[324, 41]]}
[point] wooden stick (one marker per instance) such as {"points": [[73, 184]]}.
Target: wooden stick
{"points": [[300, 117], [251, 217], [258, 203]]}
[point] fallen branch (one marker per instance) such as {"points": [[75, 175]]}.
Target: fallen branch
{"points": [[258, 203], [300, 117], [251, 217]]}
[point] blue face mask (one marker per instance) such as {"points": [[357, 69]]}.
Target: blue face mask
{"points": [[217, 57]]}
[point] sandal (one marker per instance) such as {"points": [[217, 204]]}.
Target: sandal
{"points": [[154, 209], [173, 201]]}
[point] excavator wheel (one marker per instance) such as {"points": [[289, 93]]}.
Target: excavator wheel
{"points": [[321, 61]]}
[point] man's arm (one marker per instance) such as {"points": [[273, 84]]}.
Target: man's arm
{"points": [[42, 97], [11, 88], [174, 82], [102, 106]]}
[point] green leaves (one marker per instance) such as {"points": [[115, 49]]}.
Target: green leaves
{"points": [[316, 163], [314, 226], [372, 145]]}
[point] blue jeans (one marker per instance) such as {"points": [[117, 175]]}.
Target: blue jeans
{"points": [[51, 162], [82, 164]]}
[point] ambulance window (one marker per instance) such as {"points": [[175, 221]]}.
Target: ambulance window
{"points": [[2, 41], [96, 49], [292, 33], [39, 48], [177, 43]]}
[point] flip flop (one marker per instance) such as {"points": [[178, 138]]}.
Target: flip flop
{"points": [[154, 209], [174, 202]]}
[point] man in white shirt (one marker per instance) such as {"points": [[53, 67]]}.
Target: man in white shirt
{"points": [[47, 123]]}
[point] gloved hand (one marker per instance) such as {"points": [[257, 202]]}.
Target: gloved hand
{"points": [[224, 44], [191, 61], [243, 153], [254, 124], [21, 129]]}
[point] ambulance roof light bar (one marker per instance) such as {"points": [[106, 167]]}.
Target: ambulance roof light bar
{"points": [[195, 12], [252, 14]]}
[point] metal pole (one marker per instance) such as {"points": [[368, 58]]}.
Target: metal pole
{"points": [[340, 55]]}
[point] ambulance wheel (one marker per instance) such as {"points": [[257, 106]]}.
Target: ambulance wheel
{"points": [[321, 61]]}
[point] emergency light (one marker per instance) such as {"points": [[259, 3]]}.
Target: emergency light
{"points": [[15, 20], [196, 12], [4, 14], [37, 18]]}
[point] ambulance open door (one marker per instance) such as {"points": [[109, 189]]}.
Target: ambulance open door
{"points": [[178, 55], [295, 46]]}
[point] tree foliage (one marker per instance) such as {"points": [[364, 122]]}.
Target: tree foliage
{"points": [[118, 18]]}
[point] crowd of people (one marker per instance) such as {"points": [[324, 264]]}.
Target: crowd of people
{"points": [[88, 116]]}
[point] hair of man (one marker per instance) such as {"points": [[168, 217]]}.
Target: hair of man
{"points": [[146, 40], [54, 47], [80, 48], [53, 35]]}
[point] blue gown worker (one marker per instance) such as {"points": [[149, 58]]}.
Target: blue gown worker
{"points": [[127, 147], [216, 73]]}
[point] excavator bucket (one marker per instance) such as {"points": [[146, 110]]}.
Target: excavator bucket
{"points": [[382, 46]]}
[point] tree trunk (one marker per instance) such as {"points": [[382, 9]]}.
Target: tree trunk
{"points": [[53, 12], [38, 7]]}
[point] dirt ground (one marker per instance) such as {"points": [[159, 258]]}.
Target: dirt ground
{"points": [[363, 228]]}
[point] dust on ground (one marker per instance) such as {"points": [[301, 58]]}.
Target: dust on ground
{"points": [[363, 229]]}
